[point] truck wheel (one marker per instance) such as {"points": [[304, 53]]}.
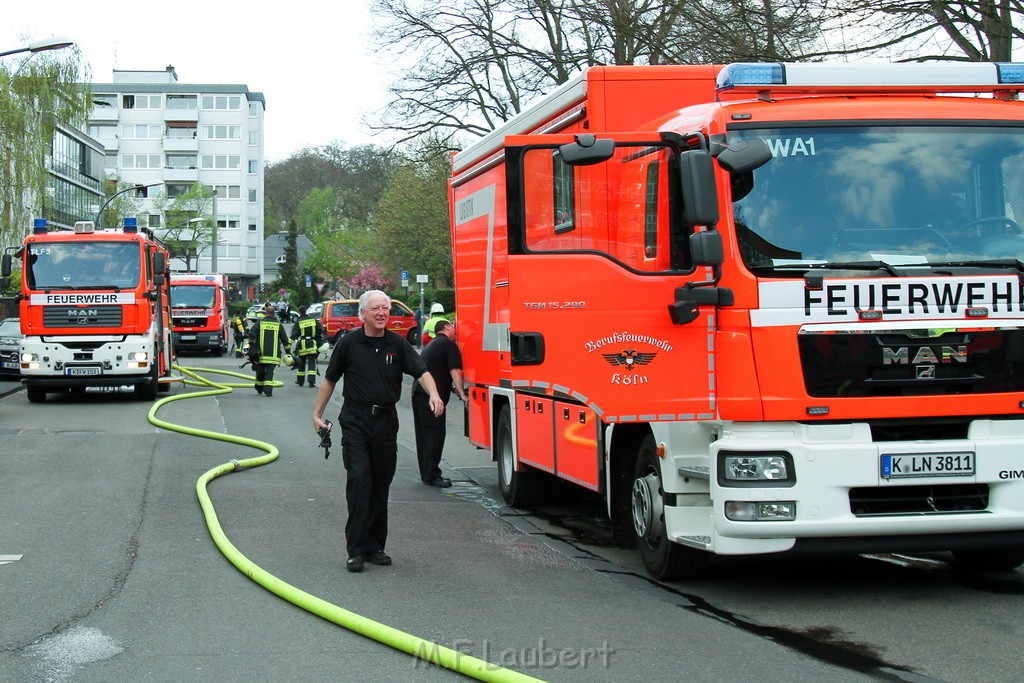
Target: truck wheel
{"points": [[146, 391], [414, 336], [663, 559], [994, 559], [36, 394], [519, 489]]}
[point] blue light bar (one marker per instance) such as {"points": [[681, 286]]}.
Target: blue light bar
{"points": [[750, 74], [834, 77], [1010, 74], [39, 226], [131, 224]]}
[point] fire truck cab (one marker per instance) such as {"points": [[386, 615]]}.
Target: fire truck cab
{"points": [[758, 308]]}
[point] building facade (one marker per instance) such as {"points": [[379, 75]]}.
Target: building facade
{"points": [[74, 178], [168, 135]]}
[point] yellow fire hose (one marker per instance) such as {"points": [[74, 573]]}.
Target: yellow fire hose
{"points": [[413, 645]]}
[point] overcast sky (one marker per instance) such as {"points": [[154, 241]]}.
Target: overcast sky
{"points": [[311, 60]]}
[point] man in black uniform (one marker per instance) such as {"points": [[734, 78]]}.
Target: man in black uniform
{"points": [[444, 363], [372, 360], [309, 335], [266, 339]]}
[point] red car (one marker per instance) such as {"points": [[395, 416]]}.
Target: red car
{"points": [[338, 317]]}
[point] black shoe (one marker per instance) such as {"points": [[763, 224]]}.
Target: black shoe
{"points": [[259, 390], [355, 563], [312, 386], [379, 557], [299, 383], [440, 482]]}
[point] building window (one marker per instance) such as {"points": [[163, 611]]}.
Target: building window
{"points": [[254, 110], [222, 161], [254, 138], [140, 161], [222, 102], [182, 102], [176, 189], [252, 227], [104, 101], [252, 196], [253, 166], [228, 251], [184, 161], [154, 220], [103, 133], [140, 131], [222, 132], [179, 130], [225, 191], [141, 101], [228, 222], [250, 253]]}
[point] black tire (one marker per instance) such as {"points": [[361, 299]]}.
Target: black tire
{"points": [[146, 391], [519, 489], [664, 560], [993, 559], [414, 336], [36, 394]]}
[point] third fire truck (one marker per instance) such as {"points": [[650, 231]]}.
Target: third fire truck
{"points": [[759, 308]]}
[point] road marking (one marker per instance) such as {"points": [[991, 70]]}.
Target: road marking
{"points": [[7, 559]]}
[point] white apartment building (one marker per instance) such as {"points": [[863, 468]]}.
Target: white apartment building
{"points": [[156, 130]]}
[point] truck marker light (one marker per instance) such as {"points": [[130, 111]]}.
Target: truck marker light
{"points": [[817, 410], [870, 314], [754, 511], [977, 312]]}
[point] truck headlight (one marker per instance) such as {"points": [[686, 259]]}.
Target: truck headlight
{"points": [[755, 468]]}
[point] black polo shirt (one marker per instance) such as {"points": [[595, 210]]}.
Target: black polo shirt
{"points": [[373, 366], [441, 356]]}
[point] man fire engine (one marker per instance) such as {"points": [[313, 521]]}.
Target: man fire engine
{"points": [[94, 309], [759, 308], [199, 312]]}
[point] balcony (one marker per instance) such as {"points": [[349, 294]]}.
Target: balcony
{"points": [[103, 114], [181, 175], [190, 115], [181, 144]]}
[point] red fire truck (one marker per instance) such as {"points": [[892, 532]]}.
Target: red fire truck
{"points": [[95, 310], [199, 312], [758, 308]]}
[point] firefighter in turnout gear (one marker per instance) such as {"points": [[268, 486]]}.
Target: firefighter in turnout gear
{"points": [[266, 340], [238, 330], [309, 334]]}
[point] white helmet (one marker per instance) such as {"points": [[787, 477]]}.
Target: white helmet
{"points": [[288, 360], [436, 308]]}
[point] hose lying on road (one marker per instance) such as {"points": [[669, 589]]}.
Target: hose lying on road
{"points": [[418, 647]]}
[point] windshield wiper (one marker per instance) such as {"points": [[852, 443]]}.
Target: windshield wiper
{"points": [[1016, 264], [833, 265]]}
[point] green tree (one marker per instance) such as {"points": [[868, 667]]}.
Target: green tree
{"points": [[188, 230], [411, 226], [36, 94]]}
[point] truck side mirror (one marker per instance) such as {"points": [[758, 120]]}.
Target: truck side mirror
{"points": [[5, 269], [587, 150], [159, 266], [700, 193], [743, 156], [706, 248]]}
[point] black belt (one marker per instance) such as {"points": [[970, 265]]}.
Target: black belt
{"points": [[371, 408]]}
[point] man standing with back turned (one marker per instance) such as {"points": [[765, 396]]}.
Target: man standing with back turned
{"points": [[444, 363], [372, 359]]}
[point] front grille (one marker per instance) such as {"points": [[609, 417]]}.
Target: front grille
{"points": [[189, 322], [891, 363], [86, 316], [902, 500]]}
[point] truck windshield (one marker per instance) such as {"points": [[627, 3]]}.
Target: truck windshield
{"points": [[193, 296], [83, 265], [899, 196]]}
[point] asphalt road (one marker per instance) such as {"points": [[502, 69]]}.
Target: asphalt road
{"points": [[109, 572]]}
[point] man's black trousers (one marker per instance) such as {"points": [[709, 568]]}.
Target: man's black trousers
{"points": [[369, 449], [430, 435]]}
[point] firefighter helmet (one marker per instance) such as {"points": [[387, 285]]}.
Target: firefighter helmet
{"points": [[288, 360]]}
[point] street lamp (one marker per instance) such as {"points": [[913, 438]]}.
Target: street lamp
{"points": [[53, 43], [137, 188]]}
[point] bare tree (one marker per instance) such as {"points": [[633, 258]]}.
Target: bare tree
{"points": [[924, 30], [468, 66]]}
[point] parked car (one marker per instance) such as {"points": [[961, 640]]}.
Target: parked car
{"points": [[10, 339], [315, 309], [338, 317]]}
